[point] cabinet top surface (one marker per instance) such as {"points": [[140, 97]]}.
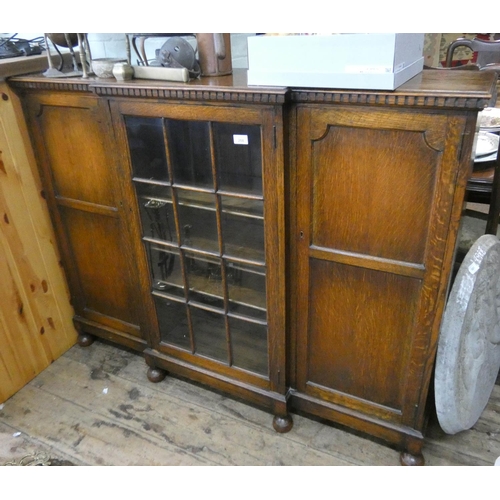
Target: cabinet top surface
{"points": [[441, 88]]}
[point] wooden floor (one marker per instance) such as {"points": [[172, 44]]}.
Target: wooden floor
{"points": [[95, 406]]}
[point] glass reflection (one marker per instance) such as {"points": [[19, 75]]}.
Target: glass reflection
{"points": [[189, 146], [157, 219], [166, 270], [198, 220], [243, 237], [172, 321], [247, 290], [209, 331], [249, 342], [225, 324], [242, 206], [147, 147], [238, 157], [204, 277]]}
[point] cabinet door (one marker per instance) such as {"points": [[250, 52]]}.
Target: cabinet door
{"points": [[74, 145], [207, 187], [372, 232]]}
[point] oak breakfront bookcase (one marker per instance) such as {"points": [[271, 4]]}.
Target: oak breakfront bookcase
{"points": [[290, 247]]}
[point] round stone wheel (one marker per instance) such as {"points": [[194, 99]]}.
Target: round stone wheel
{"points": [[468, 354]]}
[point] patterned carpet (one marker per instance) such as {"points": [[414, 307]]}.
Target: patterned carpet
{"points": [[17, 450], [37, 459]]}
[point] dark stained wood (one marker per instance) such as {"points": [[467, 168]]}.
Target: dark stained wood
{"points": [[429, 89], [363, 193], [156, 375], [375, 209], [267, 387], [84, 340], [412, 460], [474, 89], [282, 425], [399, 161], [230, 88], [357, 337], [81, 181]]}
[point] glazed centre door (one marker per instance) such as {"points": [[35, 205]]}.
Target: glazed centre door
{"points": [[208, 190]]}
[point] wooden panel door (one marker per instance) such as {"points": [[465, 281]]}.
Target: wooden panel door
{"points": [[75, 148], [374, 218]]}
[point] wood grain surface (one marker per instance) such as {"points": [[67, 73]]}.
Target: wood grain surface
{"points": [[95, 406], [35, 315]]}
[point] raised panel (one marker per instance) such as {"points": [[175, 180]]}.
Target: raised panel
{"points": [[359, 320], [76, 151], [375, 203], [99, 267], [372, 192]]}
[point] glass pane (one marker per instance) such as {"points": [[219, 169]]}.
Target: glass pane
{"points": [[204, 280], [243, 237], [198, 225], [147, 147], [247, 312], [249, 342], [242, 206], [247, 290], [189, 146], [150, 190], [166, 270], [157, 218], [209, 334], [238, 157], [173, 322]]}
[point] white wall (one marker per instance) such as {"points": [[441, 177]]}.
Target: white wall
{"points": [[114, 45]]}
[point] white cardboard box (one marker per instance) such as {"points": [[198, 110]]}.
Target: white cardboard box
{"points": [[350, 61]]}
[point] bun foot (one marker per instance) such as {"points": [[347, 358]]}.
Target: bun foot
{"points": [[156, 375], [85, 339], [282, 424], [412, 460]]}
